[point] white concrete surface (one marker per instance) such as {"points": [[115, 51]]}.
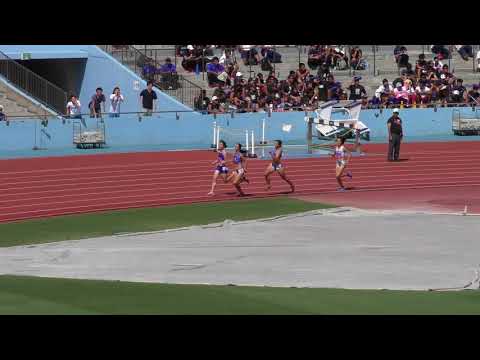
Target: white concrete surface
{"points": [[344, 248]]}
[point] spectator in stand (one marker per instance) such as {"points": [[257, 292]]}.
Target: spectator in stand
{"points": [[194, 59], [356, 90], [401, 96], [97, 103], [423, 92], [302, 72], [149, 70], [409, 90], [437, 65], [215, 106], [201, 102], [399, 50], [465, 51], [458, 93], [168, 75], [74, 110], [315, 56], [220, 93], [384, 93], [421, 65], [249, 55], [441, 51], [403, 59], [339, 58], [269, 53], [3, 116], [213, 70], [115, 100], [148, 99], [473, 96], [355, 58]]}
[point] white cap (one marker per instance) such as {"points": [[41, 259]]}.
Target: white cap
{"points": [[238, 74], [1, 107], [396, 110], [190, 47], [214, 98]]}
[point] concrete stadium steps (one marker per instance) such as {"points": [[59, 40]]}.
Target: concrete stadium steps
{"points": [[15, 104], [385, 65]]}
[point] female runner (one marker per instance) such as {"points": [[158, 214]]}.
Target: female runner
{"points": [[341, 163], [239, 175], [277, 166], [221, 165]]}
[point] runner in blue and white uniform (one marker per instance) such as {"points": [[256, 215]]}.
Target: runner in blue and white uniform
{"points": [[221, 165], [239, 174], [276, 165], [341, 162]]}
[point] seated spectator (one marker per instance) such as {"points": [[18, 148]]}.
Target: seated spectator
{"points": [[399, 50], [403, 60], [440, 51], [339, 58], [356, 90], [97, 103], [409, 90], [194, 59], [74, 108], [227, 57], [421, 65], [473, 96], [168, 75], [249, 55], [302, 72], [385, 90], [423, 92], [400, 94], [273, 56], [458, 92], [201, 102], [149, 70], [443, 91], [116, 99], [323, 70], [215, 106], [3, 116], [465, 51], [437, 65], [220, 93], [355, 58], [315, 56], [213, 70]]}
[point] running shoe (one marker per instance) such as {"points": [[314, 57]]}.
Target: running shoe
{"points": [[349, 174], [341, 189]]}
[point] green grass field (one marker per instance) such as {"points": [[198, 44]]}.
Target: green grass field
{"points": [[146, 219], [29, 295]]}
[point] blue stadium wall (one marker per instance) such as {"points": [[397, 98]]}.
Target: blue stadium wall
{"points": [[165, 131], [192, 130], [100, 69]]}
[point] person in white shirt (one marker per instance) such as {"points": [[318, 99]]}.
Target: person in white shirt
{"points": [[74, 108], [115, 100], [424, 92], [385, 88]]}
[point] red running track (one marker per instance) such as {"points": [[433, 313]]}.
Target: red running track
{"points": [[439, 176]]}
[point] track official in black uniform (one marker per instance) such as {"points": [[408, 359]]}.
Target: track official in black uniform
{"points": [[395, 135]]}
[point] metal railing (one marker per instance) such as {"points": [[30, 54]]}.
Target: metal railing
{"points": [[176, 86], [32, 84]]}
